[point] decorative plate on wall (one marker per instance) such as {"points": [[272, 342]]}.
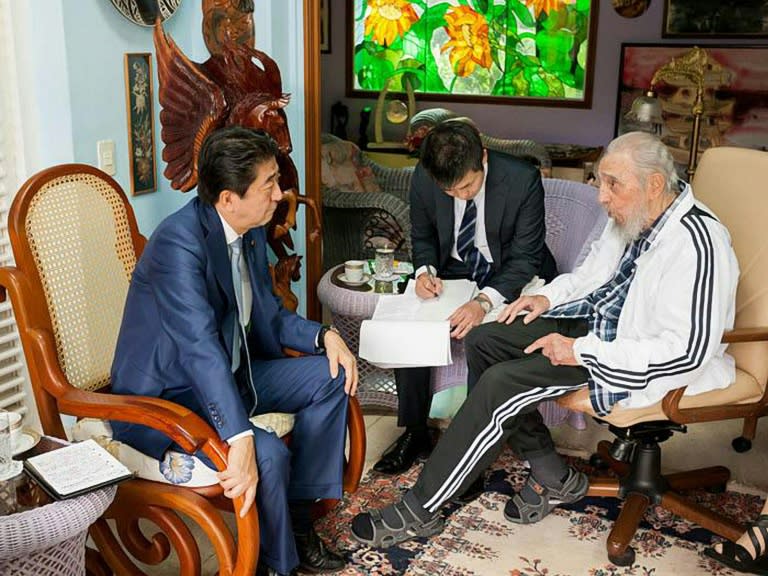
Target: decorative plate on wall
{"points": [[142, 12], [630, 8]]}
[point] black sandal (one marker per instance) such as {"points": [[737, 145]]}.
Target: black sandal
{"points": [[393, 524], [736, 557]]}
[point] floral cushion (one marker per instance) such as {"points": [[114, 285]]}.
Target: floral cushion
{"points": [[175, 467], [341, 169]]}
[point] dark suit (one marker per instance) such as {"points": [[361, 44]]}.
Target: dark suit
{"points": [[515, 230], [175, 343]]}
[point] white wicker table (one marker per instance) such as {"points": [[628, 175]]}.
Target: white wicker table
{"points": [[49, 538]]}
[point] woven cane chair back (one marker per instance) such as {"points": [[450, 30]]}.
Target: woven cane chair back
{"points": [[78, 234]]}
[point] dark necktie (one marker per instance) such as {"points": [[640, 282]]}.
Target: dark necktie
{"points": [[478, 266]]}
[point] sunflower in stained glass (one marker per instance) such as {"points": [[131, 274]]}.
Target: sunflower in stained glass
{"points": [[546, 6], [389, 20], [469, 46]]}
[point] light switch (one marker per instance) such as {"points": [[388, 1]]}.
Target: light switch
{"points": [[105, 150]]}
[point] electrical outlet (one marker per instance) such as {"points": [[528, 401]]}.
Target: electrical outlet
{"points": [[105, 151]]}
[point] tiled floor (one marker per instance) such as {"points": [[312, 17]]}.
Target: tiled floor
{"points": [[703, 445]]}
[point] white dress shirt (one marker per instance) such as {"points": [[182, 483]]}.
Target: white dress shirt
{"points": [[481, 239], [245, 313]]}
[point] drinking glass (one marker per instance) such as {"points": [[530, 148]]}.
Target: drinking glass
{"points": [[6, 453], [384, 264]]}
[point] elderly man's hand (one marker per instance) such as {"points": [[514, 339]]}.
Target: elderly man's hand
{"points": [[338, 353], [242, 475], [556, 347], [535, 305]]}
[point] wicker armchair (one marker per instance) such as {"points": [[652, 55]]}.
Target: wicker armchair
{"points": [[364, 204], [422, 122]]}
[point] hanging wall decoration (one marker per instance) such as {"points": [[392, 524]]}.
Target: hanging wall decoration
{"points": [[141, 130]]}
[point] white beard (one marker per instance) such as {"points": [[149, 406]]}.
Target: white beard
{"points": [[635, 223]]}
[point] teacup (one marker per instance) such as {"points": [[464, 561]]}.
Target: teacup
{"points": [[353, 270]]}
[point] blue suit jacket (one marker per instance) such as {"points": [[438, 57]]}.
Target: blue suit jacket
{"points": [[176, 336]]}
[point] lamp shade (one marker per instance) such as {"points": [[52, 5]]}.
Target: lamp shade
{"points": [[645, 114]]}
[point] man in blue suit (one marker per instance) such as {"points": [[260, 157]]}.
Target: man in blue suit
{"points": [[202, 328]]}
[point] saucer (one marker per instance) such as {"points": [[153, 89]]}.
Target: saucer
{"points": [[29, 438], [366, 278], [391, 278], [14, 470]]}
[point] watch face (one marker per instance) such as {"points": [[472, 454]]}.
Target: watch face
{"points": [[143, 12]]}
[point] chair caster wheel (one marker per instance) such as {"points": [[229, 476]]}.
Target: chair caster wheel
{"points": [[719, 489], [741, 444], [625, 559], [598, 462]]}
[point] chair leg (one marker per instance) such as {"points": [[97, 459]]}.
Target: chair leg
{"points": [[744, 442], [712, 477], [617, 545], [699, 515], [604, 487]]}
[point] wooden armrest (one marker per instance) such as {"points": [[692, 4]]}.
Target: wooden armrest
{"points": [[180, 424], [758, 334]]}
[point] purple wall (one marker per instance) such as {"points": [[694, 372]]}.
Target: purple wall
{"points": [[592, 127]]}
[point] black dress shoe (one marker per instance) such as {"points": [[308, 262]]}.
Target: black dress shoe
{"points": [[403, 453], [314, 557]]}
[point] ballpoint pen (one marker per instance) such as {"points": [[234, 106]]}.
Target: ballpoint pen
{"points": [[432, 279]]}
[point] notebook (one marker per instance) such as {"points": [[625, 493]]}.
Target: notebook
{"points": [[76, 469]]}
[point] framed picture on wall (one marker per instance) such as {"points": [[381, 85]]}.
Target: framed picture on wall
{"points": [[325, 26], [141, 123], [715, 19], [500, 51], [735, 104]]}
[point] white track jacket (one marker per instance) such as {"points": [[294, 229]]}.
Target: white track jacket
{"points": [[681, 299]]}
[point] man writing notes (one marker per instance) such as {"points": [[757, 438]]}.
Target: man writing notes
{"points": [[644, 314], [474, 214], [202, 328]]}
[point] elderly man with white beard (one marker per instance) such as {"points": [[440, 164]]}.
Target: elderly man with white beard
{"points": [[643, 314]]}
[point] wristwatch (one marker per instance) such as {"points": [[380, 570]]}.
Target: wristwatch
{"points": [[485, 304], [321, 336]]}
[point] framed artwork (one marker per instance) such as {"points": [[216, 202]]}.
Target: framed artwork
{"points": [[325, 26], [715, 19], [141, 123], [735, 113], [532, 52]]}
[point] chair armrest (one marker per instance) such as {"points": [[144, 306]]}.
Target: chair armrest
{"points": [[180, 424], [759, 334]]}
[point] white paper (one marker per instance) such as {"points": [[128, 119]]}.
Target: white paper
{"points": [[407, 331], [405, 344], [77, 467]]}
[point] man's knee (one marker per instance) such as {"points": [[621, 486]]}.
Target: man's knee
{"points": [[477, 338], [273, 458]]}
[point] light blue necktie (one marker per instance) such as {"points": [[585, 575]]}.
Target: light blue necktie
{"points": [[237, 284]]}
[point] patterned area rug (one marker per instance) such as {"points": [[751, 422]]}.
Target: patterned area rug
{"points": [[570, 541]]}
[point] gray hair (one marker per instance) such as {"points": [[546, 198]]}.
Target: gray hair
{"points": [[649, 156]]}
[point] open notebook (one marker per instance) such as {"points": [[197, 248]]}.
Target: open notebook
{"points": [[407, 331], [75, 469]]}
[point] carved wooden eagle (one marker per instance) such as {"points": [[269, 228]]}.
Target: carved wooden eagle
{"points": [[229, 88]]}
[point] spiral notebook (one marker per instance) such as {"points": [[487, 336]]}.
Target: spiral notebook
{"points": [[76, 469]]}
